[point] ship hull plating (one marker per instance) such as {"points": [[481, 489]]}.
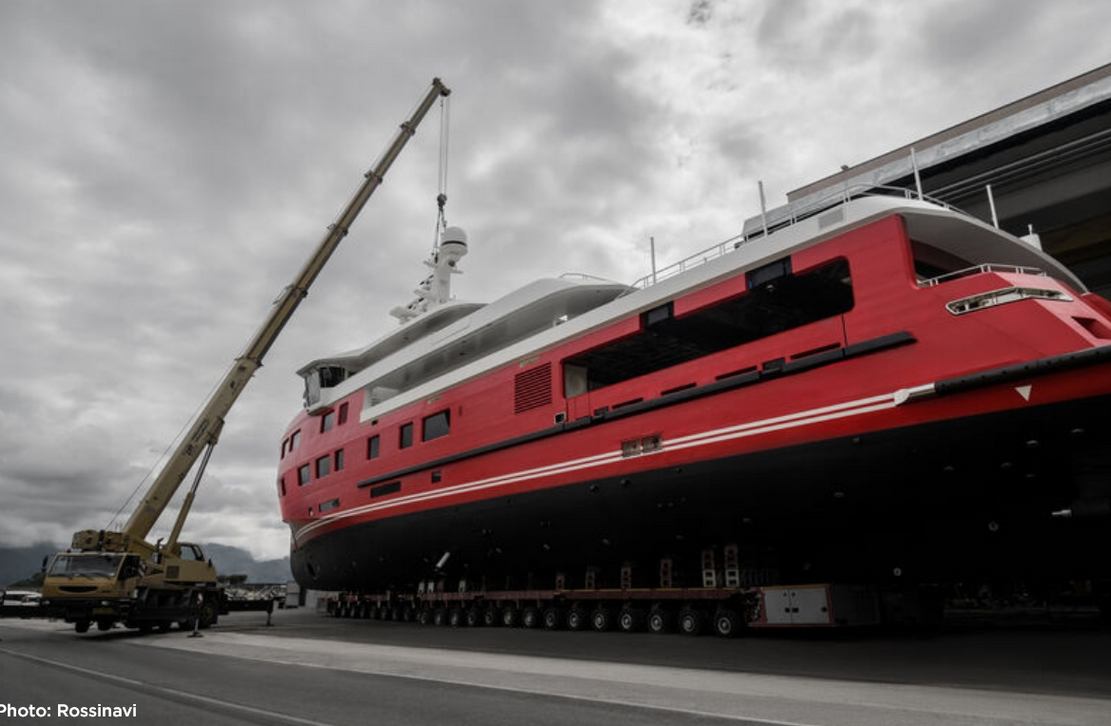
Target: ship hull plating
{"points": [[962, 499]]}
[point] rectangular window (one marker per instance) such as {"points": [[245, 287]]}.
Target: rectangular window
{"points": [[285, 445], [303, 475], [776, 301], [328, 421], [435, 426], [405, 436], [339, 460], [342, 414], [295, 440], [281, 485], [372, 447], [383, 489], [323, 466], [328, 505]]}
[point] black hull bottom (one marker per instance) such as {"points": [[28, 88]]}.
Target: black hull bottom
{"points": [[966, 500]]}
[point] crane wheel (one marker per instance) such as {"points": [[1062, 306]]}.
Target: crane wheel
{"points": [[659, 620], [82, 626], [690, 621]]}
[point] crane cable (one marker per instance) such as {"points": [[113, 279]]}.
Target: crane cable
{"points": [[441, 196]]}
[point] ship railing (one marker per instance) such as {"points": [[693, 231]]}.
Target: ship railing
{"points": [[792, 216], [977, 269]]}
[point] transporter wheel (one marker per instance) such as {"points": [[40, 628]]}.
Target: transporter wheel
{"points": [[601, 619], [530, 617], [552, 618], [455, 617], [630, 619], [727, 623], [82, 626], [103, 625], [439, 616], [145, 627], [690, 621], [424, 617], [209, 615], [473, 617], [577, 618], [490, 617], [509, 616], [164, 626], [659, 620]]}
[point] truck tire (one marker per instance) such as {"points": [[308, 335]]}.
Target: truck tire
{"points": [[630, 619], [473, 617], [104, 625], [576, 618], [208, 615], [82, 626], [601, 619], [552, 618], [509, 616], [690, 621], [490, 617], [727, 623], [455, 618], [530, 617], [659, 620]]}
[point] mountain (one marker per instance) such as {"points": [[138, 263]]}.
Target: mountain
{"points": [[21, 563]]}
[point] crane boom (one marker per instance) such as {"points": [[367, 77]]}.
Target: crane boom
{"points": [[206, 428]]}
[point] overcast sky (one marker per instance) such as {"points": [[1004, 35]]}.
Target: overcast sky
{"points": [[166, 167]]}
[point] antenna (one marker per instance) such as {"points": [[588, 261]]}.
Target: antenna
{"points": [[763, 207], [991, 204], [917, 178]]}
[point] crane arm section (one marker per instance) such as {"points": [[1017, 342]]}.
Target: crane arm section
{"points": [[206, 428]]}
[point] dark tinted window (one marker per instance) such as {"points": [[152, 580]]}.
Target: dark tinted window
{"points": [[405, 438], [295, 440], [323, 466], [780, 302], [339, 460], [435, 426], [372, 447], [281, 485], [328, 422], [383, 489], [342, 414], [329, 505], [303, 475]]}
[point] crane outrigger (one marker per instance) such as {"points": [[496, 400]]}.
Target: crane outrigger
{"points": [[119, 576]]}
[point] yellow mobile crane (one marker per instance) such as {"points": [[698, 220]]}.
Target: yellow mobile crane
{"points": [[108, 576]]}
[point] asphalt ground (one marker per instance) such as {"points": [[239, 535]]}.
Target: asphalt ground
{"points": [[309, 669]]}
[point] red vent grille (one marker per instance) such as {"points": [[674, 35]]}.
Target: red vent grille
{"points": [[532, 388]]}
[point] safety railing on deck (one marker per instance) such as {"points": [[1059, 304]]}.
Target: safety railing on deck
{"points": [[977, 269], [793, 216]]}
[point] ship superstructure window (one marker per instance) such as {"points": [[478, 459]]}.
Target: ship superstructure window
{"points": [[372, 447], [931, 262], [405, 436], [777, 302], [435, 426], [323, 466], [342, 414], [328, 505], [281, 485], [303, 475], [295, 440], [285, 445], [338, 457], [328, 422]]}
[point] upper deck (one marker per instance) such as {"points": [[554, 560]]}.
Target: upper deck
{"points": [[547, 313]]}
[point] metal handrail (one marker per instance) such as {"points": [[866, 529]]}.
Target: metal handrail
{"points": [[977, 269], [830, 201]]}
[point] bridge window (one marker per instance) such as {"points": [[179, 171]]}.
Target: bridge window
{"points": [[339, 460], [405, 438], [303, 475], [435, 426], [328, 422], [372, 447], [342, 414], [775, 301], [295, 440], [323, 466], [931, 262]]}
